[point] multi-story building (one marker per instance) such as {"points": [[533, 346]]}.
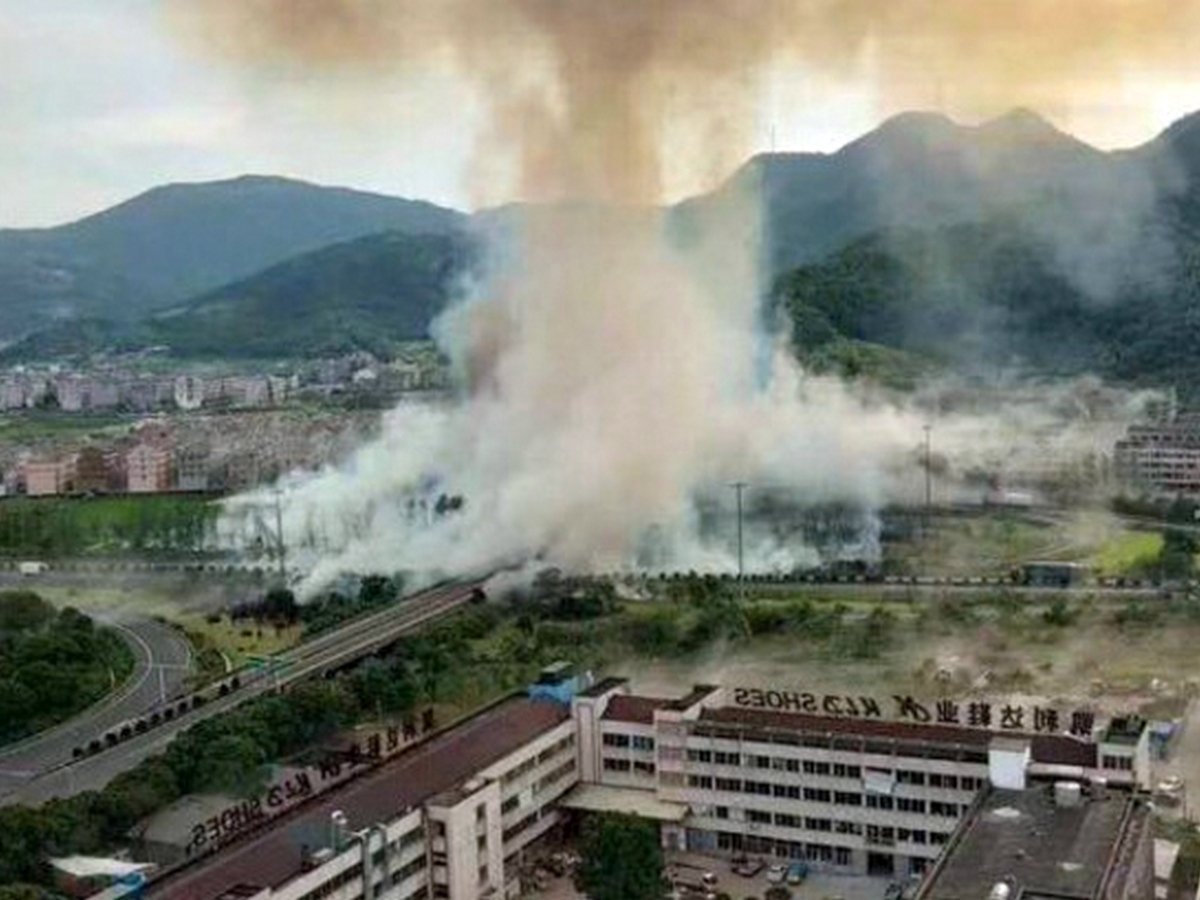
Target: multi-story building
{"points": [[47, 477], [449, 818], [723, 772], [857, 794], [191, 468], [148, 468], [93, 471], [1163, 458]]}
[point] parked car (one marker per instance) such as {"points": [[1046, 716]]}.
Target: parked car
{"points": [[895, 891], [797, 872], [746, 867], [776, 873]]}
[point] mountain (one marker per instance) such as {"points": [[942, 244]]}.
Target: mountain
{"points": [[361, 294], [993, 295], [180, 240], [923, 170]]}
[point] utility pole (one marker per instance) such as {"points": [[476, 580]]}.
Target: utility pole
{"points": [[928, 477], [279, 537], [739, 487]]}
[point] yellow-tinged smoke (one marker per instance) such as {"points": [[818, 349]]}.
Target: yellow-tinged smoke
{"points": [[615, 377], [582, 90]]}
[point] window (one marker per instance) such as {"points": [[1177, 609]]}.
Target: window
{"points": [[841, 770], [729, 784], [757, 815], [817, 795], [510, 804], [938, 838], [818, 824], [904, 776], [909, 805], [1118, 763], [704, 782], [843, 827], [842, 856], [949, 810], [616, 740], [843, 798], [722, 812], [812, 767], [702, 756], [879, 801], [758, 787], [727, 759], [643, 768], [790, 791], [616, 765], [641, 742], [785, 820], [760, 762]]}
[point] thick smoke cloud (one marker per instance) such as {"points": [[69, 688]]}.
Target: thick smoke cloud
{"points": [[613, 377]]}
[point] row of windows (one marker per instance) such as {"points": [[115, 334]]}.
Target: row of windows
{"points": [[815, 823], [832, 770], [840, 743], [840, 856], [823, 795], [1122, 763], [637, 741], [534, 761], [625, 765]]}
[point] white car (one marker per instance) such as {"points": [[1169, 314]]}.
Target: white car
{"points": [[776, 874]]}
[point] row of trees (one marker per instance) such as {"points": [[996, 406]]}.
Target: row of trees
{"points": [[52, 664], [107, 526]]}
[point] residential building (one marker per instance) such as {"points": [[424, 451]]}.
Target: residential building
{"points": [[191, 468], [189, 392], [93, 471], [148, 468], [48, 477], [1161, 458]]}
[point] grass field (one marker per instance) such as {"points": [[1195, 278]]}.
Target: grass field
{"points": [[1128, 553]]}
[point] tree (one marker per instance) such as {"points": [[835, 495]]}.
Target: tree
{"points": [[1177, 559], [622, 859]]}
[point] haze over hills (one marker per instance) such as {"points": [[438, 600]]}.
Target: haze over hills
{"points": [[181, 240], [1005, 242]]}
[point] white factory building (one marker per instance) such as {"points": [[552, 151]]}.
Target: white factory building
{"points": [[852, 784]]}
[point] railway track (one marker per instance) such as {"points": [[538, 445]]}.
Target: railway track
{"points": [[123, 747]]}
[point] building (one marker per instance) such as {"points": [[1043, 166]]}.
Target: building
{"points": [[1048, 840], [1162, 458], [189, 392], [449, 818], [191, 468], [93, 471], [779, 774], [148, 468], [48, 477], [828, 779]]}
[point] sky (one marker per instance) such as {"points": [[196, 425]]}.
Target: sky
{"points": [[100, 100]]}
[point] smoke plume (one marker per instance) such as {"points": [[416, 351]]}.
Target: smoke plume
{"points": [[613, 376]]}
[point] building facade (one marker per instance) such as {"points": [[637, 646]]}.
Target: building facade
{"points": [[725, 772], [1163, 458]]}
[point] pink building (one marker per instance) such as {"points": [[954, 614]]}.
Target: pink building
{"points": [[148, 468], [47, 478]]}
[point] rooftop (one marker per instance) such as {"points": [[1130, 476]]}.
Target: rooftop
{"points": [[1038, 848], [1056, 749], [273, 856], [630, 708]]}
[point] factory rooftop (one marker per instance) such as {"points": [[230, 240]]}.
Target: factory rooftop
{"points": [[274, 855], [1028, 844]]}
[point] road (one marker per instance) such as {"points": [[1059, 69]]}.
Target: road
{"points": [[162, 659], [356, 639]]}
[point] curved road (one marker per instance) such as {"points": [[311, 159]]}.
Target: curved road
{"points": [[162, 659]]}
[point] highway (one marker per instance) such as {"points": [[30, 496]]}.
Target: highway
{"points": [[355, 640], [162, 659]]}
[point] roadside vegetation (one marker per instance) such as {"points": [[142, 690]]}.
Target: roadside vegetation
{"points": [[52, 664]]}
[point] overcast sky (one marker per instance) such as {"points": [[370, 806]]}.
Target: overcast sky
{"points": [[99, 100]]}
